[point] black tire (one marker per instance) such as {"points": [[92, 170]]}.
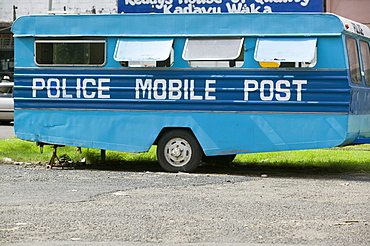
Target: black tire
{"points": [[179, 151], [219, 159]]}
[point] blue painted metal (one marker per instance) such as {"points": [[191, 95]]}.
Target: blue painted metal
{"points": [[325, 91], [179, 25], [219, 6], [361, 141], [326, 45], [218, 133], [230, 110]]}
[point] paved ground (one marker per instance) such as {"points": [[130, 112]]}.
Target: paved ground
{"points": [[6, 131], [139, 205]]}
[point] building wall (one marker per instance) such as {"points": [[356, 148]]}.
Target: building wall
{"points": [[31, 7], [357, 10]]}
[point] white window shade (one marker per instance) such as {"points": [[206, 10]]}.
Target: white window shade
{"points": [[143, 49], [285, 49], [210, 49]]}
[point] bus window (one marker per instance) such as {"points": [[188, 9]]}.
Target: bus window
{"points": [[214, 52], [365, 54], [70, 52], [286, 52], [354, 63], [144, 52]]}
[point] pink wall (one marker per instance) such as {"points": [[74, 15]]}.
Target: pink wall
{"points": [[357, 10]]}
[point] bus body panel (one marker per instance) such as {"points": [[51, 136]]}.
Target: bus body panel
{"points": [[232, 121], [293, 91], [179, 25], [230, 110], [217, 133]]}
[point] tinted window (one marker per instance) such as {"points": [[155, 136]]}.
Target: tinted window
{"points": [[6, 91], [365, 54], [70, 52], [354, 63]]}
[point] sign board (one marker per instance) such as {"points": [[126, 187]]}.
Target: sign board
{"points": [[218, 6]]}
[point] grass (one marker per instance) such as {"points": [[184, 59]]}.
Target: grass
{"points": [[345, 159], [24, 151]]}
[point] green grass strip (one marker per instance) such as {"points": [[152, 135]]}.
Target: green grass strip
{"points": [[341, 159]]}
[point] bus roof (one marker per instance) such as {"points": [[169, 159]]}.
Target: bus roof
{"points": [[185, 25]]}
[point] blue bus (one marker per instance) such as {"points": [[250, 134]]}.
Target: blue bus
{"points": [[202, 87]]}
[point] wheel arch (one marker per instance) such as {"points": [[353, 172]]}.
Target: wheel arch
{"points": [[167, 129]]}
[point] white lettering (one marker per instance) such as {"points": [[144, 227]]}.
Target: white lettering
{"points": [[147, 85], [167, 9], [281, 91], [37, 85], [200, 6], [160, 4], [50, 87], [78, 88], [174, 92], [209, 89], [190, 8], [247, 89], [270, 83], [102, 88], [199, 1], [286, 91], [299, 84], [303, 3], [130, 2], [164, 87], [84, 86], [64, 89], [172, 89], [192, 93], [244, 8], [186, 87]]}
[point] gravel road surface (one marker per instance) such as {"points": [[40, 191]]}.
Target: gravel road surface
{"points": [[215, 206]]}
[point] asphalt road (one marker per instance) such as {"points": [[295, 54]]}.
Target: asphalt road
{"points": [[136, 204], [6, 131]]}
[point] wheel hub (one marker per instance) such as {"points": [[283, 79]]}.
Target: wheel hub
{"points": [[178, 152]]}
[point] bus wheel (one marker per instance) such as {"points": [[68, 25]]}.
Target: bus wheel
{"points": [[179, 151], [219, 159]]}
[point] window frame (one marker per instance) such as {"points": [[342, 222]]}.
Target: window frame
{"points": [[357, 79], [235, 59], [289, 52], [162, 57], [54, 40], [365, 57]]}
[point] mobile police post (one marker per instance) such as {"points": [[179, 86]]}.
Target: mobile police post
{"points": [[206, 87]]}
